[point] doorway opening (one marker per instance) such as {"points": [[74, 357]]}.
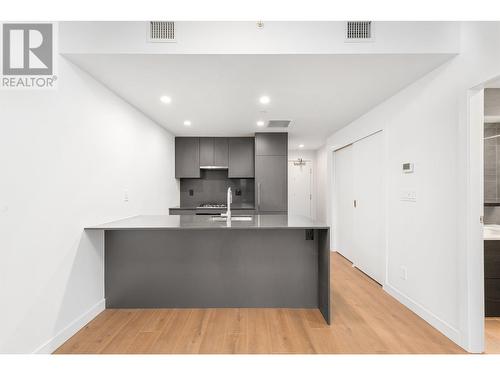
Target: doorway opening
{"points": [[491, 218], [483, 222], [301, 186]]}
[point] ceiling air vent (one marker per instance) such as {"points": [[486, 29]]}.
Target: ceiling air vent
{"points": [[359, 31], [278, 123], [162, 31]]}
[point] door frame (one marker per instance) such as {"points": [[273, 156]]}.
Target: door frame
{"points": [[332, 192], [334, 202], [473, 290]]}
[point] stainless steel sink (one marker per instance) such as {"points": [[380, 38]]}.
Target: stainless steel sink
{"points": [[233, 218]]}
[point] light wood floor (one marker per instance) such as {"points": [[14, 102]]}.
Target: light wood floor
{"points": [[492, 335], [365, 320]]}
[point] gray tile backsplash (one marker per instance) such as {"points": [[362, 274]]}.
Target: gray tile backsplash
{"points": [[212, 186], [491, 163], [491, 173]]}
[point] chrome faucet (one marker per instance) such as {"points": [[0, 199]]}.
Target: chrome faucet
{"points": [[229, 201]]}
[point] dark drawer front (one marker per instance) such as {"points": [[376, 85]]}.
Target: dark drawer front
{"points": [[492, 297], [492, 259], [174, 211], [492, 308], [492, 289]]}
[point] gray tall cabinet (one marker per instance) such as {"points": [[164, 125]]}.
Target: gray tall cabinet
{"points": [[271, 172]]}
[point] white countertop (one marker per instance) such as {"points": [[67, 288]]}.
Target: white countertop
{"points": [[491, 232]]}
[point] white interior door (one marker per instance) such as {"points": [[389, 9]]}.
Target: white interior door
{"points": [[344, 198], [369, 213], [300, 188]]}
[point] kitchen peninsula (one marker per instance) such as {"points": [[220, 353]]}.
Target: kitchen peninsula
{"points": [[193, 261]]}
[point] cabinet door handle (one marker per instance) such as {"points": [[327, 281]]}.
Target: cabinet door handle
{"points": [[258, 196]]}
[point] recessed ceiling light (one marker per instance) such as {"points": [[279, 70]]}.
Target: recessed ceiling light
{"points": [[187, 123], [301, 145], [260, 123], [166, 99], [264, 99]]}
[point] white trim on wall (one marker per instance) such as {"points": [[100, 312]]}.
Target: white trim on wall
{"points": [[63, 335], [442, 326], [472, 296]]}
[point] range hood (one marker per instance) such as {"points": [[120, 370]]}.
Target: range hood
{"points": [[214, 167]]}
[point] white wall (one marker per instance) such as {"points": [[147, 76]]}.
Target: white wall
{"points": [[322, 185], [426, 123], [67, 156], [286, 37]]}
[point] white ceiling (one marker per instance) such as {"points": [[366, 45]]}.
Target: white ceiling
{"points": [[219, 93]]}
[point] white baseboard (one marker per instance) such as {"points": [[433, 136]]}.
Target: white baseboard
{"points": [[446, 329], [72, 328]]}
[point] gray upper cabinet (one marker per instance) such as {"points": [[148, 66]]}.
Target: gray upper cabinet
{"points": [[206, 151], [221, 152], [241, 157], [272, 144], [271, 172], [213, 152], [187, 157]]}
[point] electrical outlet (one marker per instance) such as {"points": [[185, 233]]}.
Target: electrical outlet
{"points": [[404, 273], [191, 192], [125, 196]]}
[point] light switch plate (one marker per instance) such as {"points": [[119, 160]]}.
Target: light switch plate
{"points": [[404, 273], [408, 195]]}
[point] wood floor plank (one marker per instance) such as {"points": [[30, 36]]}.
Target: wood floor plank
{"points": [[299, 334], [168, 337], [236, 330], [492, 335], [100, 337], [150, 331], [365, 319], [74, 344], [193, 331], [258, 337], [281, 335], [213, 339], [124, 338]]}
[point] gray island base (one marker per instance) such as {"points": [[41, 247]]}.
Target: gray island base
{"points": [[274, 261]]}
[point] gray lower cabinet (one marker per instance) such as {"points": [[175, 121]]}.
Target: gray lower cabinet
{"points": [[492, 278], [241, 157], [271, 187], [187, 157]]}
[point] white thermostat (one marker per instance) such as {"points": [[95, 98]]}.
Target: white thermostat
{"points": [[407, 167]]}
